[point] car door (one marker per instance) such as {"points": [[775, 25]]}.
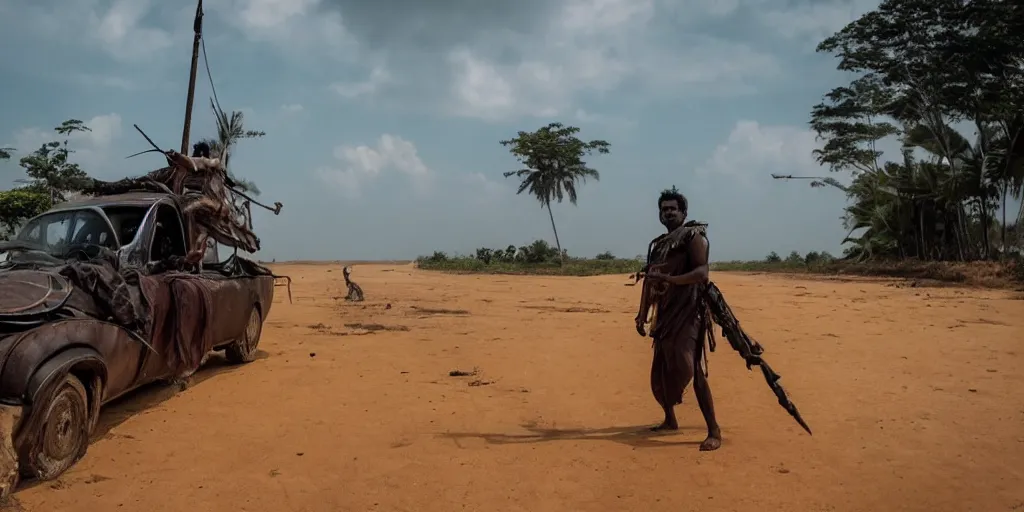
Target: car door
{"points": [[160, 236]]}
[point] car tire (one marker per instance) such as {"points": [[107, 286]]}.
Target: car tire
{"points": [[244, 350], [63, 436]]}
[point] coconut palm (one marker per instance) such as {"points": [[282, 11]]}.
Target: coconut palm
{"points": [[920, 69], [553, 183], [554, 166], [230, 130]]}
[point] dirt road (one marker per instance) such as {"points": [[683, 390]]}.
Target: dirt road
{"points": [[914, 395]]}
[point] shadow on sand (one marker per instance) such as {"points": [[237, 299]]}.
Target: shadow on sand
{"points": [[635, 436], [156, 393]]}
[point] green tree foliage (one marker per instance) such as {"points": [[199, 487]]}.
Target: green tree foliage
{"points": [[51, 177], [230, 130], [921, 67], [538, 257], [537, 252], [554, 166], [794, 258], [815, 258], [49, 168], [16, 206]]}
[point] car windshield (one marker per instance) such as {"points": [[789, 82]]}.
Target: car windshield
{"points": [[126, 221], [54, 232]]}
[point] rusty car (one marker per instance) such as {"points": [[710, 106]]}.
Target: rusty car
{"points": [[89, 311]]}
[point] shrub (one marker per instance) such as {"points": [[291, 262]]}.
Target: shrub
{"points": [[539, 257]]}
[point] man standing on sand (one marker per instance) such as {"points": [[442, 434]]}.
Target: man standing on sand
{"points": [[676, 274]]}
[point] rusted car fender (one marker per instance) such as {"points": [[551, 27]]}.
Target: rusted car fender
{"points": [[32, 363], [89, 348], [83, 362]]}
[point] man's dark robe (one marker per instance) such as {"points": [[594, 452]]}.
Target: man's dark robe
{"points": [[679, 323]]}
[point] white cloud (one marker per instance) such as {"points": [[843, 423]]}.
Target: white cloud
{"points": [[136, 31], [484, 190], [594, 46], [378, 77], [584, 47], [612, 122], [104, 129], [478, 178], [121, 33], [296, 26], [292, 108], [122, 29], [581, 49], [106, 81], [481, 90], [752, 151], [271, 14], [360, 164], [816, 20], [91, 149]]}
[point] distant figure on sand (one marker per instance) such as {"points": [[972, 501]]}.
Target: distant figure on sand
{"points": [[673, 308], [355, 293]]}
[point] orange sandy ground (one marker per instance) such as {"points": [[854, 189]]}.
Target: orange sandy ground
{"points": [[914, 395]]}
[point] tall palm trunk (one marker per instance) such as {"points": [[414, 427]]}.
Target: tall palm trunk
{"points": [[923, 251], [964, 242], [1002, 234], [1019, 226], [558, 244], [986, 223]]}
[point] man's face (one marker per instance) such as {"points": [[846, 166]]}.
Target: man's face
{"points": [[670, 214]]}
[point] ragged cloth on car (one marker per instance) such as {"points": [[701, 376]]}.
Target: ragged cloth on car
{"points": [[182, 305], [102, 291], [99, 287]]}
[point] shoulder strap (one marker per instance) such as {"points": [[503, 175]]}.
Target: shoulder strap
{"points": [[650, 248]]}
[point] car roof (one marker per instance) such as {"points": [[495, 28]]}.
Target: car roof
{"points": [[126, 199]]}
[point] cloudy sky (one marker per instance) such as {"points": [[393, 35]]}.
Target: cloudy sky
{"points": [[383, 118]]}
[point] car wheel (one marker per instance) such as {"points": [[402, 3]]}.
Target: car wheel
{"points": [[63, 436], [244, 350]]}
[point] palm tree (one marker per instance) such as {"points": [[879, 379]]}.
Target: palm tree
{"points": [[553, 183], [920, 68], [1009, 170], [554, 166], [978, 172], [916, 208], [230, 130]]}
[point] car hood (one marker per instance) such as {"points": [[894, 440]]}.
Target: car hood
{"points": [[28, 293]]}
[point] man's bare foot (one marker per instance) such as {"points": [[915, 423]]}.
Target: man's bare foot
{"points": [[713, 442], [666, 425]]}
